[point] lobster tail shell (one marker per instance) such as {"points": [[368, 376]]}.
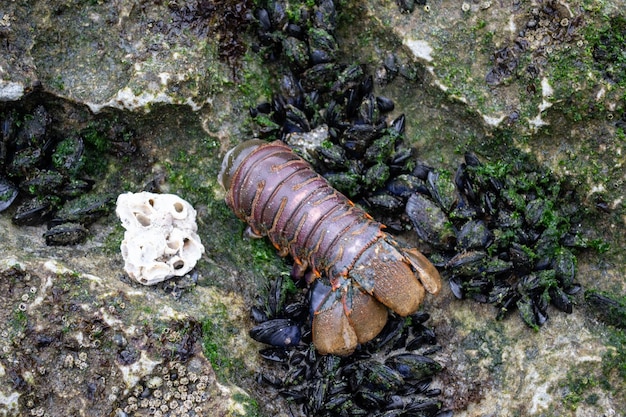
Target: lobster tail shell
{"points": [[384, 272], [280, 196]]}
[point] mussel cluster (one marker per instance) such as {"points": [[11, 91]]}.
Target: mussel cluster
{"points": [[49, 177], [388, 376], [503, 232], [348, 138]]}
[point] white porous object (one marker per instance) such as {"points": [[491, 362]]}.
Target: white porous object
{"points": [[160, 241]]}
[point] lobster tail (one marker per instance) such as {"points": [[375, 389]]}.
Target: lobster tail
{"points": [[383, 272]]}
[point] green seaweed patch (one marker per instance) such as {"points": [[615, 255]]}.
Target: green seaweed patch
{"points": [[215, 344], [250, 405]]}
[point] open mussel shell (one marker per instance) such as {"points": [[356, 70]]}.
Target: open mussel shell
{"points": [[277, 332]]}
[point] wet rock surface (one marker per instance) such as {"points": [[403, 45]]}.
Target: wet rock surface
{"points": [[169, 97]]}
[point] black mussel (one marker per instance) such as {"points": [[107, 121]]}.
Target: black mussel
{"points": [[276, 297], [430, 222], [264, 108], [399, 159], [275, 354], [337, 402], [317, 394], [428, 408], [357, 138], [522, 257], [322, 45], [456, 286], [264, 20], [442, 189], [413, 366], [295, 120], [33, 212], [296, 52], [381, 149], [611, 309], [85, 209], [370, 399], [297, 395], [25, 160], [468, 264], [376, 176], [564, 265], [368, 112], [346, 182], [67, 157], [65, 234], [277, 332], [385, 201], [424, 336], [296, 311], [258, 315], [8, 193], [560, 299], [75, 188], [350, 77], [405, 185], [43, 182], [325, 15], [398, 124], [33, 130], [384, 104], [406, 6], [391, 332], [474, 234], [527, 311], [507, 304], [319, 76], [332, 156], [373, 375], [421, 170], [295, 30], [391, 63], [535, 211], [278, 14]]}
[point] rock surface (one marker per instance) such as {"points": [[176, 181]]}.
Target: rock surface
{"points": [[542, 77]]}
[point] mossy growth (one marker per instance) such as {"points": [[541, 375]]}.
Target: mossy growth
{"points": [[215, 344]]}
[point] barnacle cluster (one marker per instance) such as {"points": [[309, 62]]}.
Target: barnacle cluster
{"points": [[49, 175], [392, 375], [327, 110], [505, 233], [174, 388]]}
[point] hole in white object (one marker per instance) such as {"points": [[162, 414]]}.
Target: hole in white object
{"points": [[178, 206], [173, 244], [143, 219], [178, 264]]}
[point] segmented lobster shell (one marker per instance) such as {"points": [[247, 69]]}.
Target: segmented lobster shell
{"points": [[279, 195]]}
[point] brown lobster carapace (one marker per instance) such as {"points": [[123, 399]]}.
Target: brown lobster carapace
{"points": [[280, 196]]}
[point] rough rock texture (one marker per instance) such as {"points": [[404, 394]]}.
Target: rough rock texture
{"points": [[543, 77]]}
